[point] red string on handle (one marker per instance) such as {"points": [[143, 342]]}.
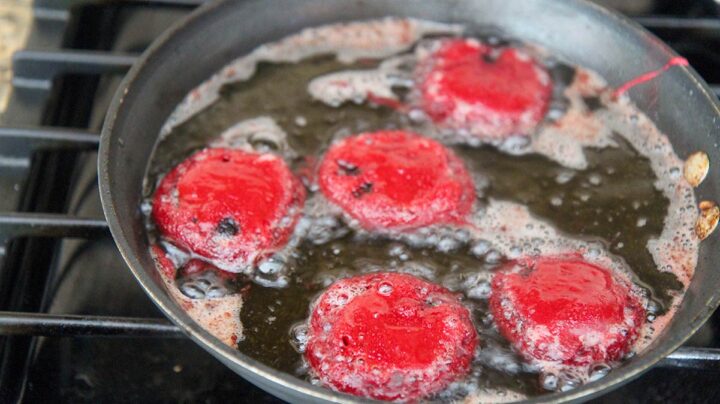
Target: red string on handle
{"points": [[676, 61]]}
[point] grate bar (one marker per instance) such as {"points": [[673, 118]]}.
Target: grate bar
{"points": [[679, 23], [694, 358], [22, 141], [59, 325], [56, 325], [177, 3], [36, 69], [13, 224]]}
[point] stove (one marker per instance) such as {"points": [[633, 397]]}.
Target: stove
{"points": [[74, 324]]}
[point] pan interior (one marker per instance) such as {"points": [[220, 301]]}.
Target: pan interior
{"points": [[677, 104]]}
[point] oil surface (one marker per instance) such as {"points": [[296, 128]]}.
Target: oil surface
{"points": [[613, 201], [280, 92]]}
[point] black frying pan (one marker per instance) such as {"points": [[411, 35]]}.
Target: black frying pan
{"points": [[679, 102]]}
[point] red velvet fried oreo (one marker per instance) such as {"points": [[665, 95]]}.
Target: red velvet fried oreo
{"points": [[389, 336], [490, 92], [565, 310], [396, 180], [228, 206]]}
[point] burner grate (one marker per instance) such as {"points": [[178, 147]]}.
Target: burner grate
{"points": [[57, 325], [49, 225], [54, 325], [37, 69], [35, 77]]}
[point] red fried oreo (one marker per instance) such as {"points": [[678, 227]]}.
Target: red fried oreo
{"points": [[565, 310], [228, 206], [490, 92], [396, 180], [389, 336]]}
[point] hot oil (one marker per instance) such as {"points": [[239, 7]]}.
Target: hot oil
{"points": [[274, 317], [280, 92], [612, 201], [633, 208]]}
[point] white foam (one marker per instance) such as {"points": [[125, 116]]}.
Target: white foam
{"points": [[490, 395], [349, 41], [565, 139], [261, 134], [220, 316], [352, 85], [512, 230]]}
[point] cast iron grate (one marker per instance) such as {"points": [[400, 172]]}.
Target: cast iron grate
{"points": [[35, 79]]}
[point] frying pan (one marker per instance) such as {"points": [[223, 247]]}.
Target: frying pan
{"points": [[679, 102]]}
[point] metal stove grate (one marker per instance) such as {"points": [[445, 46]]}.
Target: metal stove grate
{"points": [[34, 83]]}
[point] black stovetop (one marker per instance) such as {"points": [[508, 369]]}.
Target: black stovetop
{"points": [[66, 79]]}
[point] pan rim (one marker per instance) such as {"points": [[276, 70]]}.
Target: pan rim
{"points": [[227, 354]]}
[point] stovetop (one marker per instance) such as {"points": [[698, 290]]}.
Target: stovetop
{"points": [[77, 326]]}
